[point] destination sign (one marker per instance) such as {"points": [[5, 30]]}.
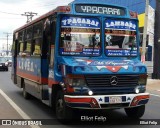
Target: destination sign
{"points": [[100, 9]]}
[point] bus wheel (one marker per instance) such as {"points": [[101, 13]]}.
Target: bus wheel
{"points": [[135, 112], [63, 112], [26, 95]]}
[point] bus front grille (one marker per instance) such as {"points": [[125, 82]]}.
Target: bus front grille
{"points": [[106, 80]]}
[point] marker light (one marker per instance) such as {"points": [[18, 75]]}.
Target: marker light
{"points": [[63, 9], [133, 14]]}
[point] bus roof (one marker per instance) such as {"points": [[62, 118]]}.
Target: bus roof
{"points": [[100, 2], [90, 2]]}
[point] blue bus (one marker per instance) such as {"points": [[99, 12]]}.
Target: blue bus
{"points": [[82, 56]]}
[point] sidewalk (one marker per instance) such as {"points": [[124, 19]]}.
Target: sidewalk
{"points": [[153, 83], [153, 86]]}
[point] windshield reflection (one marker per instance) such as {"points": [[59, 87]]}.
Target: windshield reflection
{"points": [[80, 36]]}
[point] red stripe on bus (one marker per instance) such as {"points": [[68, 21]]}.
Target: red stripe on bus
{"points": [[44, 80], [37, 79], [52, 82], [77, 100]]}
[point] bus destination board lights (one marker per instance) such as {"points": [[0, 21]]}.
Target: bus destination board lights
{"points": [[100, 9]]}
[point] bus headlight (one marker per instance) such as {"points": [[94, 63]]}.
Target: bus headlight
{"points": [[142, 79], [140, 89], [90, 93], [137, 90], [76, 81]]}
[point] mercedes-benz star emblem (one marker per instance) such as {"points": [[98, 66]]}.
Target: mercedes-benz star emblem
{"points": [[113, 80]]}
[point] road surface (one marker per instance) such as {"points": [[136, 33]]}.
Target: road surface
{"points": [[35, 109]]}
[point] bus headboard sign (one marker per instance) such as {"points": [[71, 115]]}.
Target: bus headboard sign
{"points": [[100, 9]]}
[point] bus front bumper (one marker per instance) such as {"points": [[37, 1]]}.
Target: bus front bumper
{"points": [[106, 101]]}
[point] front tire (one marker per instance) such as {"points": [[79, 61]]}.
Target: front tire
{"points": [[63, 112], [135, 112]]}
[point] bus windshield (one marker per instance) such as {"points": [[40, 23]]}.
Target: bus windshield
{"points": [[80, 36], [120, 38]]}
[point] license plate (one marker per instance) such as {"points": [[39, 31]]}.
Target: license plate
{"points": [[0, 65], [115, 99]]}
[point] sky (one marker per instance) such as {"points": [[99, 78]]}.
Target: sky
{"points": [[11, 18]]}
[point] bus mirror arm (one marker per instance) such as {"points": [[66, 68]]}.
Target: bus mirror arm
{"points": [[58, 68]]}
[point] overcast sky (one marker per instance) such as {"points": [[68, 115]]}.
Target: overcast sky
{"points": [[11, 10]]}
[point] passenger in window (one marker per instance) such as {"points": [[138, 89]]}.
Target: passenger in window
{"points": [[130, 43], [113, 42], [37, 48], [27, 48], [108, 40], [95, 41]]}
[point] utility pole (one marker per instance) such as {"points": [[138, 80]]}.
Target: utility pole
{"points": [[7, 35], [145, 32], [29, 16]]}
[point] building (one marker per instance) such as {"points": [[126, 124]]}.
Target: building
{"points": [[153, 29]]}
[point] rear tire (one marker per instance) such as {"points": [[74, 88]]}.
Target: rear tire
{"points": [[135, 112], [63, 112]]}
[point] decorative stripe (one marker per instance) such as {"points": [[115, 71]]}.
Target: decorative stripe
{"points": [[145, 101], [77, 100], [37, 79], [51, 82], [92, 101], [114, 68], [139, 98]]}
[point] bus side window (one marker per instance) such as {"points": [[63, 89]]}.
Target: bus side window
{"points": [[20, 43], [46, 38], [28, 39], [37, 39], [13, 51], [15, 47], [18, 48], [51, 38]]}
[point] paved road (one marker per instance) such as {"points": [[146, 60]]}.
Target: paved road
{"points": [[37, 110]]}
